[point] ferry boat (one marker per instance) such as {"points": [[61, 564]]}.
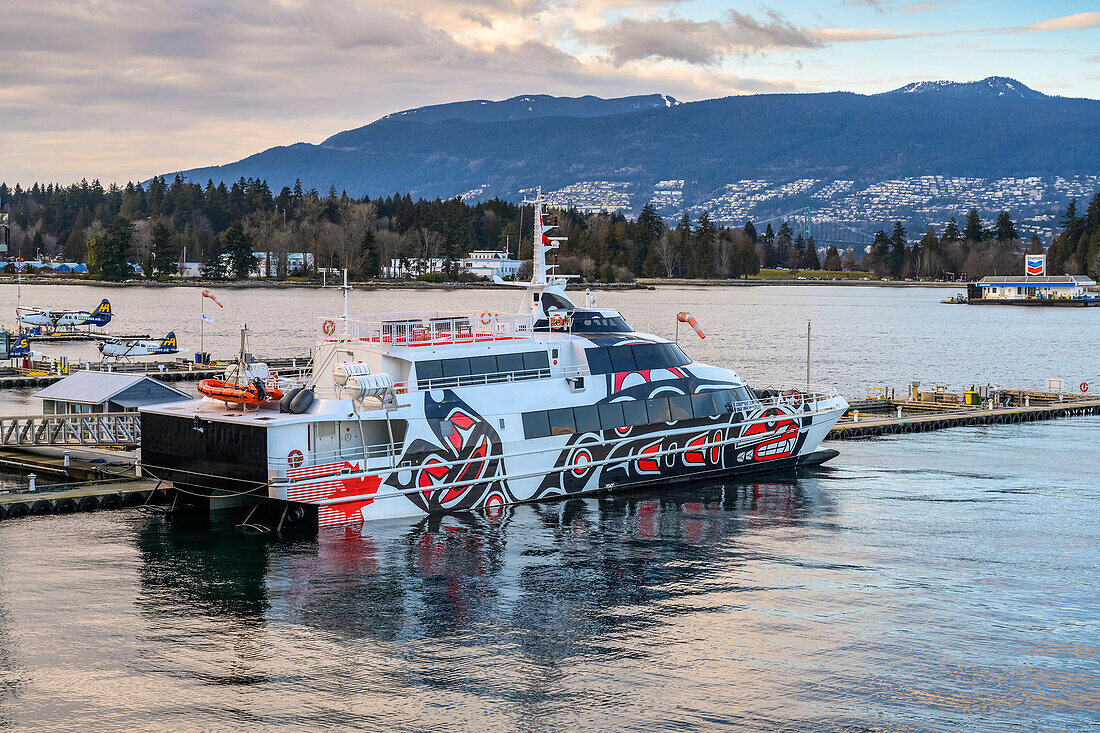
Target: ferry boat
{"points": [[405, 414]]}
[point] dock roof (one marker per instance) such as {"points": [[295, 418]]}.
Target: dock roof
{"points": [[95, 388], [1034, 280]]}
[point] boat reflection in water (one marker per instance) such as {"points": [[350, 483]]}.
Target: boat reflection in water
{"points": [[442, 574]]}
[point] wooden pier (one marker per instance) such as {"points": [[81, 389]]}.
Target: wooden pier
{"points": [[884, 414]]}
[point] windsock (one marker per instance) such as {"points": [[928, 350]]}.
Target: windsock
{"points": [[684, 317], [208, 294]]}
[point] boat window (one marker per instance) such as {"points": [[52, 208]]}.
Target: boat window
{"points": [[634, 412], [535, 425], [658, 410], [589, 322], [553, 300], [561, 421], [429, 369], [675, 356], [599, 361], [456, 367], [587, 419], [510, 362], [622, 360], [742, 394], [611, 415], [646, 356], [535, 360], [483, 365], [702, 404], [680, 407], [725, 401]]}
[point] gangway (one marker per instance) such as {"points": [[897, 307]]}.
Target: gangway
{"points": [[110, 429]]}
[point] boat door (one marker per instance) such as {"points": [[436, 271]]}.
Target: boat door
{"points": [[326, 438]]}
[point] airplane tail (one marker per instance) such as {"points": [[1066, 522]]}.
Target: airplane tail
{"points": [[101, 316], [168, 344], [21, 347]]}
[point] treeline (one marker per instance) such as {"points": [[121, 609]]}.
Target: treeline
{"points": [[161, 224]]}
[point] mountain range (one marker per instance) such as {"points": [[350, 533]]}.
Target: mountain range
{"points": [[989, 128]]}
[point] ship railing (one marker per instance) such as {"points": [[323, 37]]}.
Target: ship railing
{"points": [[333, 392], [794, 395], [426, 328], [296, 467]]}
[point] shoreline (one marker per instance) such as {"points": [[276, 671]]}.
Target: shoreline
{"points": [[639, 284]]}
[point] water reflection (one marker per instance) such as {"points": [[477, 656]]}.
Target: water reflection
{"points": [[584, 566]]}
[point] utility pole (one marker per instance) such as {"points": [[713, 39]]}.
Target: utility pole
{"points": [[807, 354]]}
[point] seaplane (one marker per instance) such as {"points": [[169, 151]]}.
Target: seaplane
{"points": [[51, 321], [125, 349], [20, 347]]}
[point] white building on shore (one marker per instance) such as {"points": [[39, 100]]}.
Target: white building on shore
{"points": [[480, 263]]}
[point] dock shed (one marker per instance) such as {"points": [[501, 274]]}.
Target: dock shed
{"points": [[1032, 287], [106, 392]]}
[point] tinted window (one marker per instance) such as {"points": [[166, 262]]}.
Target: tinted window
{"points": [[611, 415], [483, 365], [622, 359], [680, 407], [510, 362], [535, 425], [599, 361], [634, 412], [743, 395], [702, 404], [561, 421], [589, 322], [535, 360], [647, 356], [725, 400], [587, 419], [429, 369], [456, 367], [658, 410], [679, 358], [553, 300]]}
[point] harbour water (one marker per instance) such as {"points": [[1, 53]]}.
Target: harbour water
{"points": [[935, 581]]}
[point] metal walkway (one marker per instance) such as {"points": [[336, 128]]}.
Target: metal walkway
{"points": [[115, 429]]}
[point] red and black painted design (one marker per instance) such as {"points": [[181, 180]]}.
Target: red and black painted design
{"points": [[461, 468], [592, 461]]}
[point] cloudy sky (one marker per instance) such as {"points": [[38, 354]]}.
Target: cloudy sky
{"points": [[123, 89]]}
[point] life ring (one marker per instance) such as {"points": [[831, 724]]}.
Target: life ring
{"points": [[230, 392], [328, 327], [557, 320], [295, 458], [486, 317], [1084, 386]]}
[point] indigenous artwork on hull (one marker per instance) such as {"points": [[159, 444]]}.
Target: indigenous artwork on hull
{"points": [[463, 447], [623, 456]]}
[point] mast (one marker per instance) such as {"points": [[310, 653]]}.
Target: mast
{"points": [[542, 272]]}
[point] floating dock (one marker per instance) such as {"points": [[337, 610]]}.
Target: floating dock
{"points": [[883, 414], [43, 373]]}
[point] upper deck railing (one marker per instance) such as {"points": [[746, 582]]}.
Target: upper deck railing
{"points": [[426, 328]]}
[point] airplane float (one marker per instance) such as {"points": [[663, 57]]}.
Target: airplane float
{"points": [[118, 348], [52, 320]]}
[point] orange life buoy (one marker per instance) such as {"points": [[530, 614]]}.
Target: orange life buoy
{"points": [[231, 392], [557, 320], [328, 327], [485, 317], [295, 458], [1084, 386]]}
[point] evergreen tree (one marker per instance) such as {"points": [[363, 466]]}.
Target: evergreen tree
{"points": [[880, 252], [108, 253], [745, 261], [951, 232], [368, 250], [810, 260], [238, 246], [1035, 246], [832, 260], [897, 250], [750, 232], [1005, 230], [76, 246], [165, 253], [769, 235], [706, 234], [973, 229]]}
